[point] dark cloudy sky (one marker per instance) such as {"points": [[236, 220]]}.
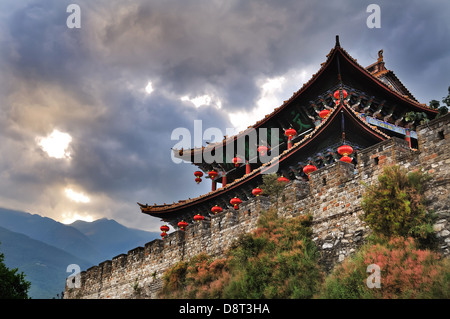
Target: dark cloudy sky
{"points": [[81, 137]]}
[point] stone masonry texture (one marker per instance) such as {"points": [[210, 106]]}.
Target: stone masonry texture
{"points": [[332, 196]]}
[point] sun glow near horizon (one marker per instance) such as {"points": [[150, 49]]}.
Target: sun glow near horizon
{"points": [[70, 217]]}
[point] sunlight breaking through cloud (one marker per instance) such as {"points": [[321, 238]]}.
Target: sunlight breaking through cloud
{"points": [[56, 144]]}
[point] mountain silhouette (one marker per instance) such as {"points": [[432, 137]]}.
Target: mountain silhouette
{"points": [[42, 248]]}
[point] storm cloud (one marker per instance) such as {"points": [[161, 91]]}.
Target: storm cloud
{"points": [[245, 56]]}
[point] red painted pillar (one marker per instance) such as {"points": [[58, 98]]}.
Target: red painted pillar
{"points": [[247, 168], [224, 179], [213, 185], [408, 137], [289, 144]]}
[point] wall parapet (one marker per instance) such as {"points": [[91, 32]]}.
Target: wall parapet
{"points": [[332, 196]]}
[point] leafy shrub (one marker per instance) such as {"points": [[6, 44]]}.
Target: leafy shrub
{"points": [[13, 284], [405, 272], [395, 206], [277, 260]]}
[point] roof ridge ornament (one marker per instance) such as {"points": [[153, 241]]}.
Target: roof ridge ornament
{"points": [[338, 45], [380, 56]]}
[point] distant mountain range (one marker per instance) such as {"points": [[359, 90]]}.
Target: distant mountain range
{"points": [[42, 248]]}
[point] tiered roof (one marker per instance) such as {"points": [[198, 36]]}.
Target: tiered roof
{"points": [[339, 71]]}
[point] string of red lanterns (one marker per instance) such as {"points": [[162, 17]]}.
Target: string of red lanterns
{"points": [[198, 175], [345, 150], [164, 229]]}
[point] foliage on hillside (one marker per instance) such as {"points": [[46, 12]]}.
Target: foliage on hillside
{"points": [[396, 206], [278, 260], [395, 210], [406, 272]]}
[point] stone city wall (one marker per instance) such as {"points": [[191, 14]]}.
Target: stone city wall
{"points": [[332, 196]]}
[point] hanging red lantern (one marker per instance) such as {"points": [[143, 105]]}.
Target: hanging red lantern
{"points": [[182, 225], [235, 202], [164, 229], [213, 174], [216, 209], [345, 150], [336, 94], [262, 150], [324, 113], [290, 133], [283, 179], [237, 161], [256, 191], [198, 217], [309, 169], [346, 159], [198, 174]]}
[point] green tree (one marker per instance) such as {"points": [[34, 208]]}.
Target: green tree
{"points": [[12, 284], [444, 108], [395, 206]]}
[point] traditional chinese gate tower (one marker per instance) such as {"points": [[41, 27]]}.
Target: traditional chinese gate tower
{"points": [[343, 104]]}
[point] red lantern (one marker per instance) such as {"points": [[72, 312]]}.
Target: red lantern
{"points": [[182, 225], [256, 191], [213, 174], [309, 169], [235, 202], [262, 150], [237, 161], [336, 94], [324, 113], [216, 209], [198, 174], [198, 217], [290, 132], [345, 150], [346, 159], [283, 179], [164, 229]]}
